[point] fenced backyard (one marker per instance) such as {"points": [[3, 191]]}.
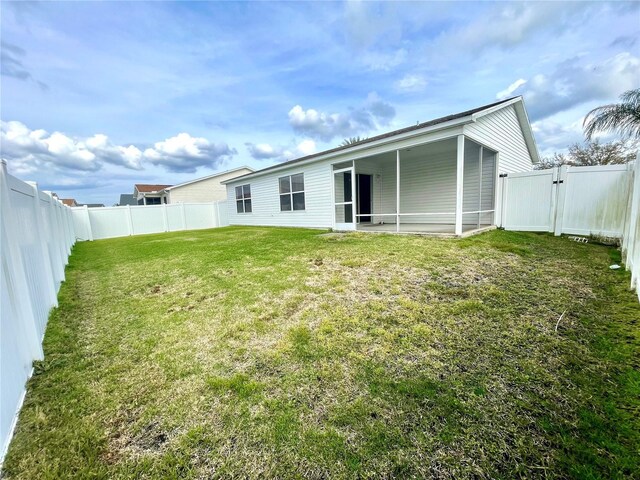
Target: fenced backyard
{"points": [[289, 353], [233, 324]]}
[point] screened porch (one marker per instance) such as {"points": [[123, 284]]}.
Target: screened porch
{"points": [[444, 187]]}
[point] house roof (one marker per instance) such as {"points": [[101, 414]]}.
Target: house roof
{"points": [[217, 174], [441, 122], [149, 188], [127, 199]]}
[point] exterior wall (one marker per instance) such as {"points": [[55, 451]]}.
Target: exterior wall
{"points": [[208, 190], [501, 132], [319, 196], [265, 199]]}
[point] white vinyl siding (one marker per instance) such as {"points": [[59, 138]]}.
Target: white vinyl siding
{"points": [[265, 197], [501, 132]]}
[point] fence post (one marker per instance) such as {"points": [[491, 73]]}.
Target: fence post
{"points": [[632, 242], [214, 214], [87, 216], [553, 203], [503, 185], [218, 222], [560, 199], [129, 220], [184, 217], [165, 217], [42, 240], [54, 234]]}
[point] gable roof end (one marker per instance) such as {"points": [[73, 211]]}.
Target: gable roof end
{"points": [[523, 119]]}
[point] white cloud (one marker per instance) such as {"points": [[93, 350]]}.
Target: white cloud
{"points": [[184, 153], [31, 150], [572, 83], [510, 89], [411, 83], [326, 126], [509, 24], [556, 135], [28, 150], [383, 61], [307, 147], [265, 151]]}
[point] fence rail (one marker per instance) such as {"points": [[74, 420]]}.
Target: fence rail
{"points": [[36, 237]]}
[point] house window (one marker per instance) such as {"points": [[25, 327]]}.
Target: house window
{"points": [[243, 199], [292, 192]]}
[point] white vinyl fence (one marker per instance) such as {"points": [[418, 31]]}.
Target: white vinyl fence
{"points": [[631, 234], [110, 222], [36, 239], [597, 200]]}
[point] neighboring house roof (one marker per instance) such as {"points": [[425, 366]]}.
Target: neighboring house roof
{"points": [[435, 124], [91, 205], [69, 202], [149, 188], [208, 177], [127, 199]]}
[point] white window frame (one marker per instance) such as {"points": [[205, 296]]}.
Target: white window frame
{"points": [[290, 193], [243, 199]]}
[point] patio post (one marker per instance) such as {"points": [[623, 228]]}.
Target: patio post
{"points": [[480, 186], [397, 191], [459, 183]]}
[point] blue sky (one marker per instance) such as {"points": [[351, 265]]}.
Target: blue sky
{"points": [[98, 96]]}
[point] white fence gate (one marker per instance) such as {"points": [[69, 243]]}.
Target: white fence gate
{"points": [[575, 200], [601, 200], [528, 200], [36, 236]]}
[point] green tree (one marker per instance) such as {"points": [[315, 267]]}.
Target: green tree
{"points": [[621, 118], [590, 153]]}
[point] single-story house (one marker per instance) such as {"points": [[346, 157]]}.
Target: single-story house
{"points": [[205, 189], [438, 176], [146, 194]]}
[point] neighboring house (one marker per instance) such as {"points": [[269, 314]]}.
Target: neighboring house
{"points": [[69, 202], [146, 194], [205, 189], [439, 176], [127, 199], [91, 205]]}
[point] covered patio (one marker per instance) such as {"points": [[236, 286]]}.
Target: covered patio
{"points": [[445, 187]]}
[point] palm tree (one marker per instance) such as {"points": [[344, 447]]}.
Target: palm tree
{"points": [[622, 118], [351, 141]]}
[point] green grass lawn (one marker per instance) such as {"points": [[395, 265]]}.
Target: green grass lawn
{"points": [[284, 353]]}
